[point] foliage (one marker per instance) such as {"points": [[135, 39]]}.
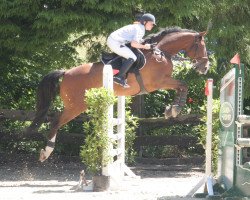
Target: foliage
{"points": [[155, 102], [39, 36], [130, 133], [94, 152], [202, 130]]}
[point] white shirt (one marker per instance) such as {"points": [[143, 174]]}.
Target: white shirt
{"points": [[129, 33]]}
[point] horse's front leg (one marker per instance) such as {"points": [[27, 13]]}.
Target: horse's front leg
{"points": [[180, 99], [178, 103]]}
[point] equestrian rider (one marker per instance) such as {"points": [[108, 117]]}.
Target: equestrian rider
{"points": [[132, 34]]}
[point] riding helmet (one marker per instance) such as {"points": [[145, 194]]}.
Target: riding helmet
{"points": [[148, 17]]}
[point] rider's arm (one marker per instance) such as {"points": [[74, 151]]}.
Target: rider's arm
{"points": [[140, 46]]}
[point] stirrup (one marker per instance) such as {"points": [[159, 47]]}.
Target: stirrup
{"points": [[121, 82], [125, 85]]}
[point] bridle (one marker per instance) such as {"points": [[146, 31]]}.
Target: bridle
{"points": [[165, 54], [195, 46]]}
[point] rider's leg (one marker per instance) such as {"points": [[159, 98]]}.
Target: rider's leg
{"points": [[123, 51], [120, 77]]}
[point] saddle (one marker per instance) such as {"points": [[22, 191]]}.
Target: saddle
{"points": [[116, 61]]}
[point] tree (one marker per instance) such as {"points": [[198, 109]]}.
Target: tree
{"points": [[39, 36]]}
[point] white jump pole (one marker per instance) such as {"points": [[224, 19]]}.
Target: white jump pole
{"points": [[108, 83], [116, 169], [208, 169], [207, 179]]}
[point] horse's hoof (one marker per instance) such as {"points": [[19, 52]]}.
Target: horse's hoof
{"points": [[42, 157], [168, 112]]}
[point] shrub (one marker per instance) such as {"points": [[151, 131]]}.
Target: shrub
{"points": [[94, 151]]}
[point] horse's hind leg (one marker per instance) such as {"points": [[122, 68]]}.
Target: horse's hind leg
{"points": [[67, 115]]}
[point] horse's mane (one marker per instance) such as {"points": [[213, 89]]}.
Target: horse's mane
{"points": [[153, 37]]}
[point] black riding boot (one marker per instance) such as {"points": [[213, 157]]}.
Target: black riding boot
{"points": [[120, 77]]}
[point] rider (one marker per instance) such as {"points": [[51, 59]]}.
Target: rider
{"points": [[132, 34]]}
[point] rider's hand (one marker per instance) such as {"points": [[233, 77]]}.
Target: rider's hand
{"points": [[147, 46]]}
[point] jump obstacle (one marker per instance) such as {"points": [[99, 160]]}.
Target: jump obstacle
{"points": [[233, 163], [116, 168], [233, 171], [233, 159]]}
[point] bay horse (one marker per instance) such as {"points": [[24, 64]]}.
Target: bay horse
{"points": [[72, 84]]}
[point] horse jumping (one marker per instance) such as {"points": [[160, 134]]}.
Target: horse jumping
{"points": [[156, 74]]}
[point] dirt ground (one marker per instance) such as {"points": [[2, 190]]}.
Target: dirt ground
{"points": [[22, 177]]}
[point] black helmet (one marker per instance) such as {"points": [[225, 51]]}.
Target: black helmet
{"points": [[148, 17]]}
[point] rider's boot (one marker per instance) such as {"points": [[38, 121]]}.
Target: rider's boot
{"points": [[120, 77]]}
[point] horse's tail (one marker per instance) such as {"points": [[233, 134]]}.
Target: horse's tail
{"points": [[48, 88]]}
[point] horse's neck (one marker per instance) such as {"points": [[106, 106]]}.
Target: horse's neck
{"points": [[175, 43]]}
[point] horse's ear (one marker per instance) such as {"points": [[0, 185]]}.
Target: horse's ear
{"points": [[203, 33]]}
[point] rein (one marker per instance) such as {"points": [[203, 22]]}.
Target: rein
{"points": [[165, 54], [162, 54]]}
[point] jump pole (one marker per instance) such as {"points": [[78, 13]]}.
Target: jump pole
{"points": [[116, 169], [208, 169], [208, 178]]}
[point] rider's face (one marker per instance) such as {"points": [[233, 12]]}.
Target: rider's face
{"points": [[149, 25]]}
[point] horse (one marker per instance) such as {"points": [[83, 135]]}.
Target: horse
{"points": [[156, 74]]}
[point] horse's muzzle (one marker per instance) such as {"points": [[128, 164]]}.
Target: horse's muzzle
{"points": [[201, 65]]}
